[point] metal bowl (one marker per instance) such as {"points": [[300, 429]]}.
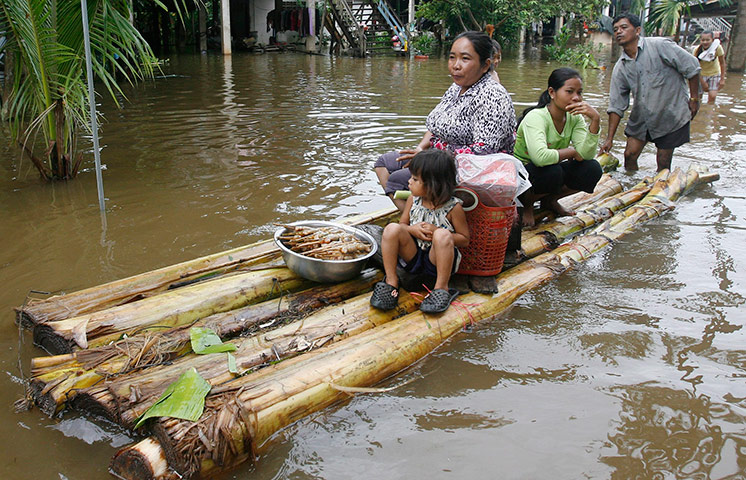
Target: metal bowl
{"points": [[325, 271]]}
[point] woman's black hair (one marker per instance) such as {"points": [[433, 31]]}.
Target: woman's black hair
{"points": [[437, 169], [481, 42], [557, 80]]}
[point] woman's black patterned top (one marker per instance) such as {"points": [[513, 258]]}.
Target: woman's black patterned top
{"points": [[479, 121]]}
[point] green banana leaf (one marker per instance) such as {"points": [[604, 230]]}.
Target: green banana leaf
{"points": [[232, 367], [205, 340], [185, 399]]}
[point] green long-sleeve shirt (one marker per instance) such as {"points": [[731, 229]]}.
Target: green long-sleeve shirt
{"points": [[537, 140]]}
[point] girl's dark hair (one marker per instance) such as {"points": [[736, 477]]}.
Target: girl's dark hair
{"points": [[557, 80], [437, 169], [481, 42], [496, 50]]}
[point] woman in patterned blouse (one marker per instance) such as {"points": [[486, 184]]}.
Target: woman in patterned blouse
{"points": [[474, 116]]}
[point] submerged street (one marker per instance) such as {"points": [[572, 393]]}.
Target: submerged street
{"points": [[631, 365]]}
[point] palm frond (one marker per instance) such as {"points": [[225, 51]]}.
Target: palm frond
{"points": [[49, 92], [665, 14]]}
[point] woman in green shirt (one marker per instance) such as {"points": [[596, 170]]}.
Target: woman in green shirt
{"points": [[543, 143]]}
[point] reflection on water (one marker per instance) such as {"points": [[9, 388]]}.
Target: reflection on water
{"points": [[664, 433], [630, 366]]}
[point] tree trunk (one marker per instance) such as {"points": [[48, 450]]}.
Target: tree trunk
{"points": [[7, 77], [165, 18], [737, 50], [170, 309]]}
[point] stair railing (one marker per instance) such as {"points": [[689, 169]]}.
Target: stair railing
{"points": [[353, 24], [714, 24], [392, 20]]}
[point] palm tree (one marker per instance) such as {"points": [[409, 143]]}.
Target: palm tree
{"points": [[665, 14], [45, 91]]}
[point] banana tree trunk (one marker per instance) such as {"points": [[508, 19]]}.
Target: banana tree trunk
{"points": [[115, 398], [548, 236], [56, 380], [170, 309]]}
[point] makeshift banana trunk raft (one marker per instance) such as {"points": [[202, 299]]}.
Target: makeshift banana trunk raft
{"points": [[287, 347]]}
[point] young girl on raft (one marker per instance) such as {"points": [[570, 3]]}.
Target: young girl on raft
{"points": [[545, 133], [426, 238]]}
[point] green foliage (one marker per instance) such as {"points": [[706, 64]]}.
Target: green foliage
{"points": [[184, 398], [581, 55], [424, 44], [506, 15], [204, 340], [46, 91]]}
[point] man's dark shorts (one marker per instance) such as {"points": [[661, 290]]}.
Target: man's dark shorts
{"points": [[399, 176], [671, 140]]}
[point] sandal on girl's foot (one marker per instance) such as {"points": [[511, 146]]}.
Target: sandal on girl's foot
{"points": [[438, 300], [385, 297]]}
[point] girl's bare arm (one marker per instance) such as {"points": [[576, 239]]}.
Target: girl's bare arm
{"points": [[457, 218]]}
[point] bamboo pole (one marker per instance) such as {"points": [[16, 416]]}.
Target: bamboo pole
{"points": [[57, 379], [238, 421], [115, 398], [137, 287], [548, 236], [169, 309]]}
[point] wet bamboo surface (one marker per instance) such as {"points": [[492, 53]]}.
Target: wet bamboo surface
{"points": [[242, 414]]}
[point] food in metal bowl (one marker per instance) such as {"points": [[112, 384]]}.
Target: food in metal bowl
{"points": [[324, 252], [325, 243]]}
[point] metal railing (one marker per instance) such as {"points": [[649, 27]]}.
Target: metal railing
{"points": [[716, 24], [392, 20]]}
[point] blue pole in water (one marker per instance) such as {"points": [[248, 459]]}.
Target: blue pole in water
{"points": [[92, 102]]}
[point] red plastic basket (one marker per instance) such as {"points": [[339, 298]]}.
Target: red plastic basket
{"points": [[489, 228]]}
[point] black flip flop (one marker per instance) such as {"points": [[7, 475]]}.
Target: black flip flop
{"points": [[438, 300], [385, 297]]}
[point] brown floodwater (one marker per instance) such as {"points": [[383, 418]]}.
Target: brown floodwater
{"points": [[632, 365]]}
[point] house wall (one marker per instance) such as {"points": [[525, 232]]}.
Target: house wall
{"points": [[259, 11]]}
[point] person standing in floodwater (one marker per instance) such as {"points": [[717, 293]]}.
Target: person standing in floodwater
{"points": [[655, 70], [475, 115], [711, 58]]}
